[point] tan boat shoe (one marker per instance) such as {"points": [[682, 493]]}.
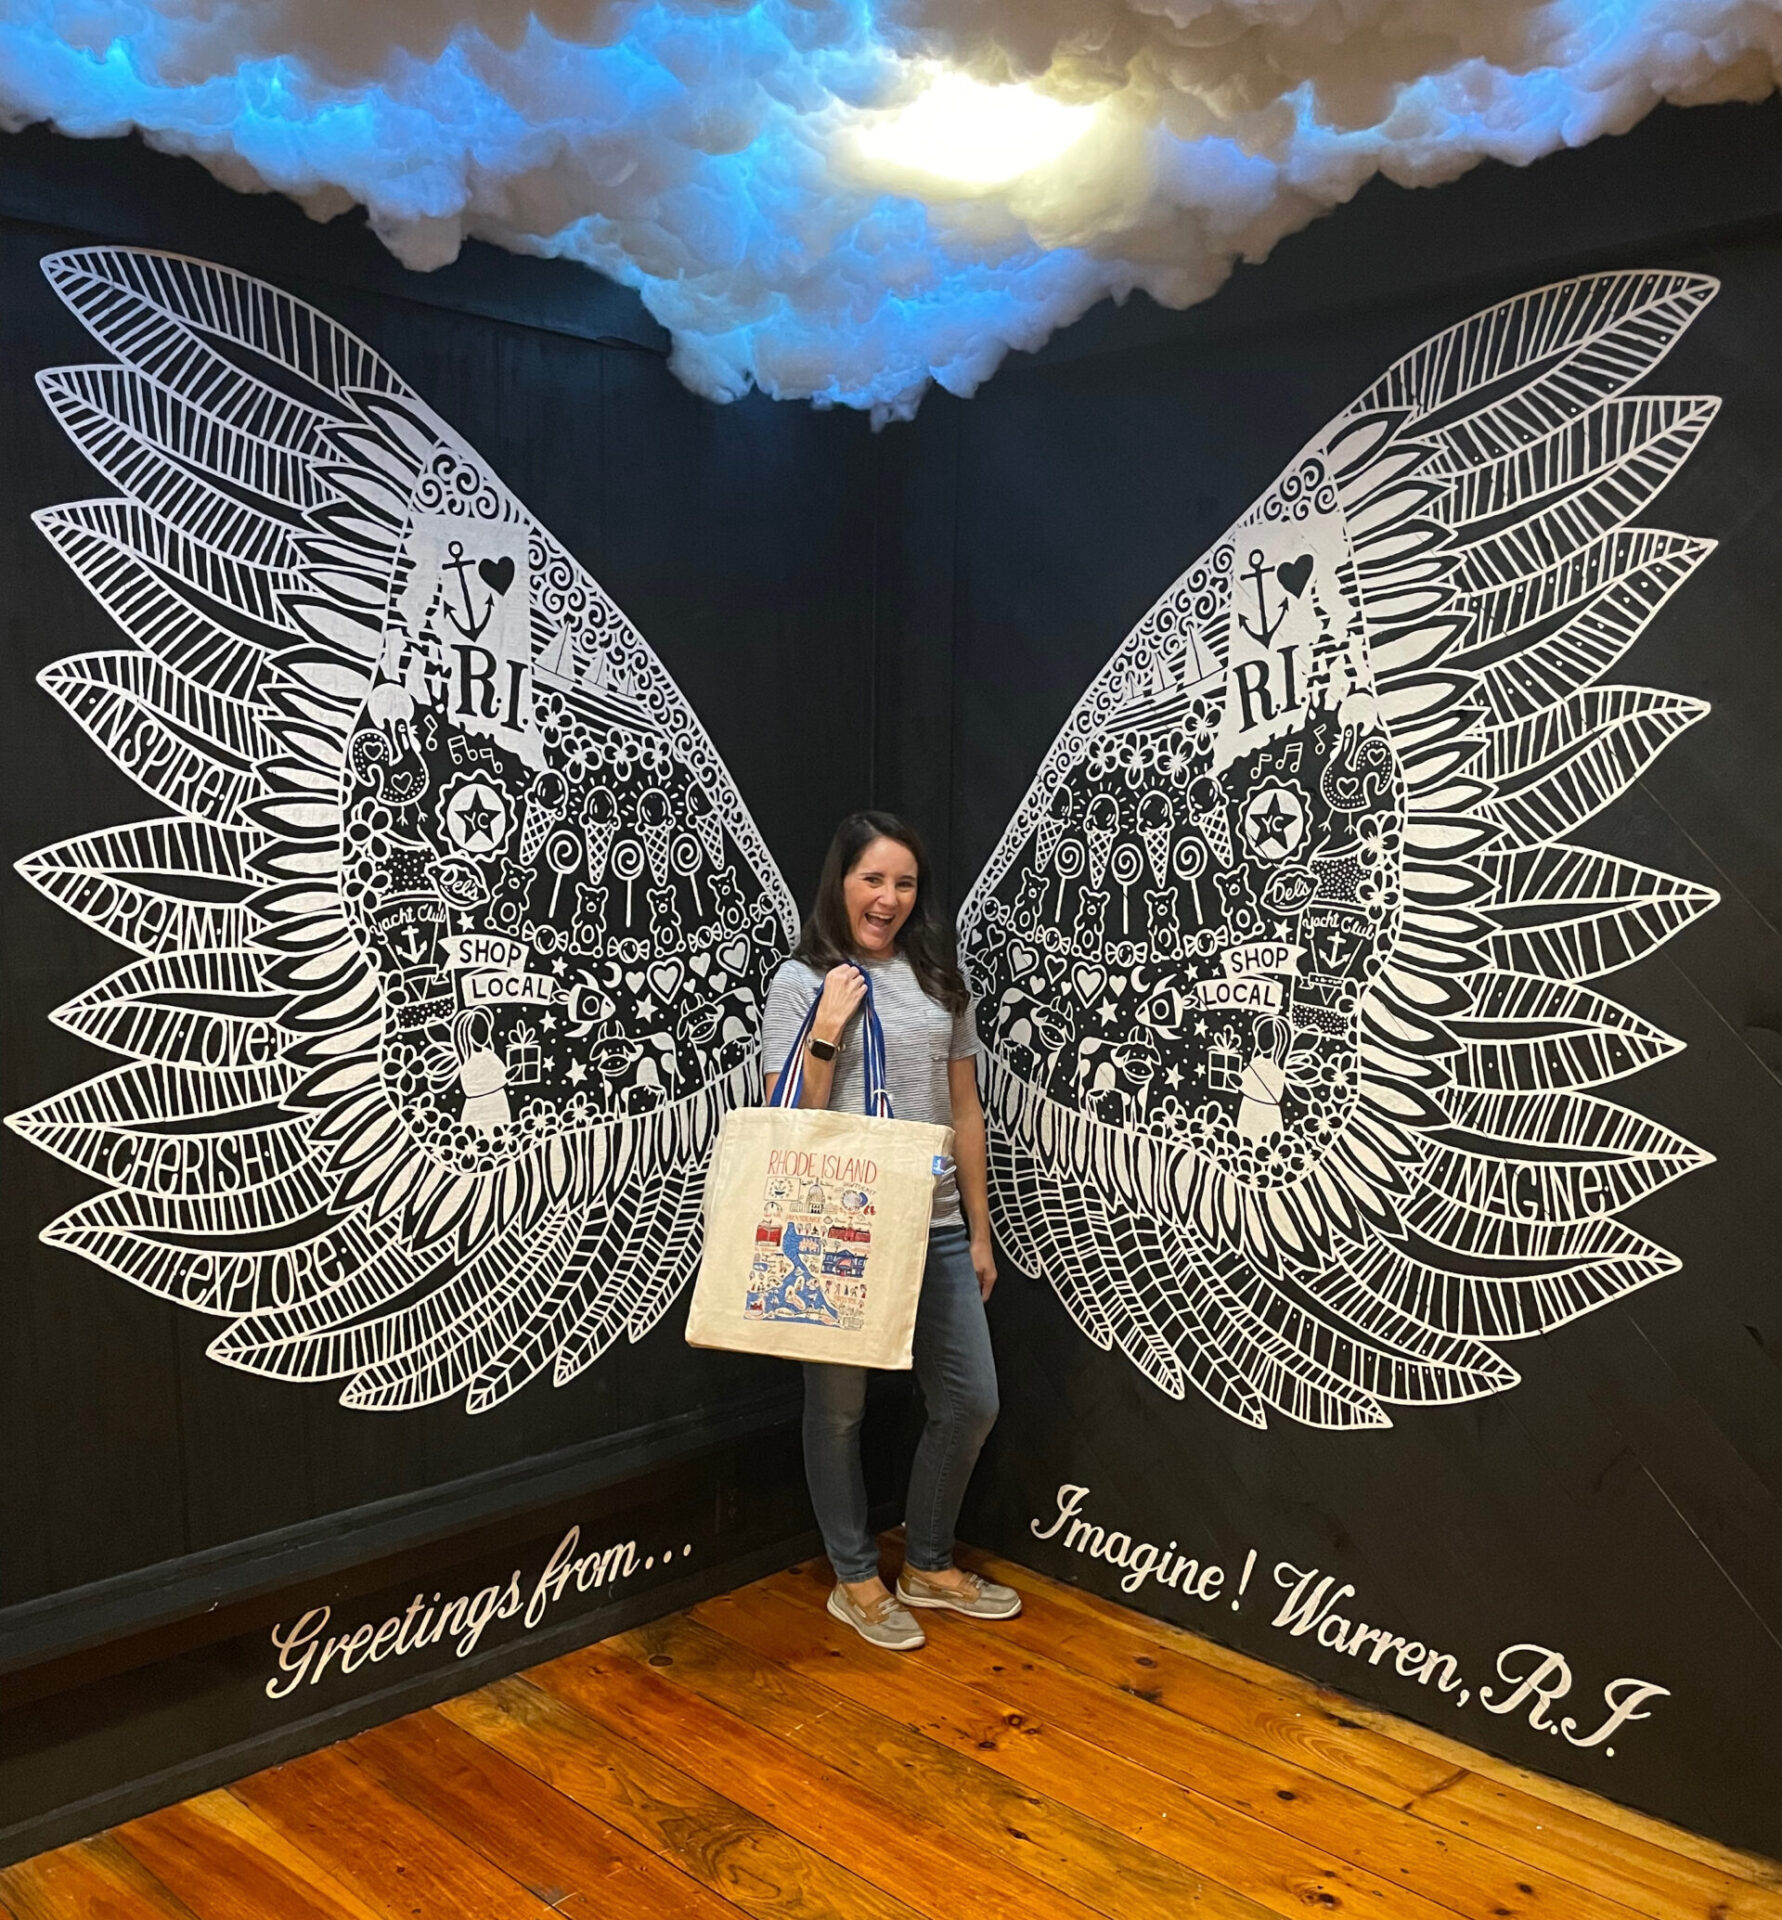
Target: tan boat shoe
{"points": [[884, 1623], [978, 1598]]}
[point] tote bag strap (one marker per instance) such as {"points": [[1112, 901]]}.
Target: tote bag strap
{"points": [[878, 1072], [790, 1087]]}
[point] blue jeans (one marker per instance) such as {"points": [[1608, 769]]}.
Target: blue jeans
{"points": [[957, 1371]]}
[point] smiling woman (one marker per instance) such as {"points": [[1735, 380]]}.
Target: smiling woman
{"points": [[876, 917]]}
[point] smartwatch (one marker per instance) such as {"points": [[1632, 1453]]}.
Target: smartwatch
{"points": [[821, 1049]]}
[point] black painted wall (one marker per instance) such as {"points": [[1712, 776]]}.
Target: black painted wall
{"points": [[161, 1513], [1623, 1505], [940, 593]]}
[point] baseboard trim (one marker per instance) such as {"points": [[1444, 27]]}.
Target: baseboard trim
{"points": [[205, 1772], [35, 1632]]}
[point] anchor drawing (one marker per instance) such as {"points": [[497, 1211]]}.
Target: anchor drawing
{"points": [[1263, 633], [495, 574]]}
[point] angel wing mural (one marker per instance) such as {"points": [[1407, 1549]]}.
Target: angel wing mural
{"points": [[1282, 957], [451, 932]]}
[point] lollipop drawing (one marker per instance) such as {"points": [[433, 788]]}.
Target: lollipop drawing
{"points": [[1188, 862], [686, 857], [1126, 865], [627, 864], [563, 854]]}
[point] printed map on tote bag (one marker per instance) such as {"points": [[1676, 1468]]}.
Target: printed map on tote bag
{"points": [[815, 1235]]}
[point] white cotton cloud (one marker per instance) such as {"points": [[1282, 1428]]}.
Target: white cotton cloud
{"points": [[730, 161]]}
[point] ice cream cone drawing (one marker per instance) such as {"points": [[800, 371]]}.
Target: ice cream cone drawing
{"points": [[1051, 826], [655, 819], [1103, 823], [703, 817], [1157, 820], [599, 823], [544, 808], [1206, 804]]}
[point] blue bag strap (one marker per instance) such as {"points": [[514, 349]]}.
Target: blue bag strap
{"points": [[878, 1072], [790, 1085], [789, 1088]]}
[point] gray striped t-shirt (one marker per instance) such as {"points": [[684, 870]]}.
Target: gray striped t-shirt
{"points": [[921, 1037]]}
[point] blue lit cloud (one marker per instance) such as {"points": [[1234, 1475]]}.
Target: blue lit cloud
{"points": [[703, 151]]}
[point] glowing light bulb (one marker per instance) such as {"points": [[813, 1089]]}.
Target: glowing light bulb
{"points": [[971, 134]]}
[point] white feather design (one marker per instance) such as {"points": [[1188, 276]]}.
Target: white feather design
{"points": [[438, 1006], [1279, 959]]}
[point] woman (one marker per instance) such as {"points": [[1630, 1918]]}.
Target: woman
{"points": [[875, 915]]}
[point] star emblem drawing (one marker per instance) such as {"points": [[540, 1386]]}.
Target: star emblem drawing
{"points": [[476, 818], [1274, 822]]}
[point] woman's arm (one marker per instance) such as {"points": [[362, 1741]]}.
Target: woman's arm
{"points": [[969, 1157], [844, 987]]}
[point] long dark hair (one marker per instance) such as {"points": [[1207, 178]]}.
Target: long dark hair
{"points": [[925, 939]]}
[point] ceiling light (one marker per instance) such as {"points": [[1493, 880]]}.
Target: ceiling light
{"points": [[971, 134]]}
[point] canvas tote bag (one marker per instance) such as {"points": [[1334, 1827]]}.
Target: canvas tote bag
{"points": [[816, 1222]]}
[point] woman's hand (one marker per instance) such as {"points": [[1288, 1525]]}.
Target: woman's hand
{"points": [[983, 1263], [844, 988]]}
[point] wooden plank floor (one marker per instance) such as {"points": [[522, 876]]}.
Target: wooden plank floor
{"points": [[753, 1758]]}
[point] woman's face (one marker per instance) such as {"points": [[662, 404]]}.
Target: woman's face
{"points": [[878, 891]]}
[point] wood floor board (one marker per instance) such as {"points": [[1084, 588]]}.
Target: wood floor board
{"points": [[1029, 1696], [1142, 1656], [905, 1848], [92, 1880], [1651, 1880], [529, 1831], [761, 1871], [227, 1863], [1406, 1749], [1545, 1826], [754, 1759], [1074, 1854], [1275, 1869], [395, 1859], [1559, 1806]]}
